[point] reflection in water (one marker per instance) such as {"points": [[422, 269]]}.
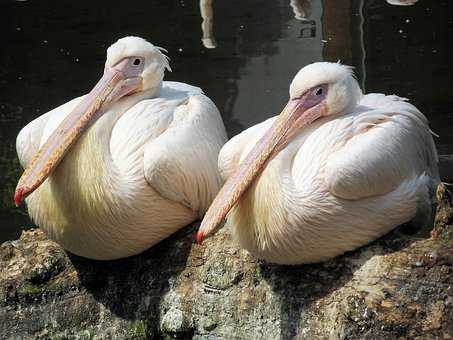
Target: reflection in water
{"points": [[207, 14], [262, 92], [402, 2], [301, 9]]}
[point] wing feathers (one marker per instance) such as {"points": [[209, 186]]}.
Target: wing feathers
{"points": [[181, 164], [388, 144]]}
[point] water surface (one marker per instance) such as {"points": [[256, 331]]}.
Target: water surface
{"points": [[53, 51]]}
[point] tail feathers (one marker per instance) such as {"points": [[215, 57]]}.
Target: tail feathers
{"points": [[423, 221]]}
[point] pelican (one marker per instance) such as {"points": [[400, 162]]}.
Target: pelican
{"points": [[113, 172], [334, 171]]}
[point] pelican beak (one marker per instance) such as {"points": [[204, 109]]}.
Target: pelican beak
{"points": [[298, 113], [120, 80]]}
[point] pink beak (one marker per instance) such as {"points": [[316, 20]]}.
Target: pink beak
{"points": [[297, 113], [117, 81]]}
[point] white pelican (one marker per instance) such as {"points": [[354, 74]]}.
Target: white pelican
{"points": [[127, 164], [334, 171]]}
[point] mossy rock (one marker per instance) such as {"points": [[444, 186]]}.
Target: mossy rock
{"points": [[396, 287]]}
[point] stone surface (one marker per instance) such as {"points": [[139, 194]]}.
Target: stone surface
{"points": [[398, 287]]}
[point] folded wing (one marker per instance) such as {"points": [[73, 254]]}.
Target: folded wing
{"points": [[181, 164], [389, 142]]}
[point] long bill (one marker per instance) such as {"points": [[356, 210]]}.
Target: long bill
{"points": [[296, 114], [69, 130]]}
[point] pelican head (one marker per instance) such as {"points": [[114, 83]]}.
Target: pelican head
{"points": [[332, 83], [133, 65], [142, 53], [318, 90]]}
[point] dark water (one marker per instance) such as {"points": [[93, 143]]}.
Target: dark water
{"points": [[53, 51]]}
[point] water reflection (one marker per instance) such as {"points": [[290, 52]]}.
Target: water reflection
{"points": [[301, 9], [49, 57], [402, 2], [207, 14]]}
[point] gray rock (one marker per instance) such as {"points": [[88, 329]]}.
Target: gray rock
{"points": [[398, 287]]}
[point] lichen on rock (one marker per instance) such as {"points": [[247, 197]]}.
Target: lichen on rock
{"points": [[397, 287]]}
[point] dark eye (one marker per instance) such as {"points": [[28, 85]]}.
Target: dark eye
{"points": [[136, 62], [318, 91]]}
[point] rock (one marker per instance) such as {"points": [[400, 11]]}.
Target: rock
{"points": [[398, 287]]}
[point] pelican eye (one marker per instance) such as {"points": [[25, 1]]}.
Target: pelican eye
{"points": [[136, 62], [318, 91]]}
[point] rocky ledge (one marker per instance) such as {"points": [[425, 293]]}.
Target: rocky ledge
{"points": [[400, 286]]}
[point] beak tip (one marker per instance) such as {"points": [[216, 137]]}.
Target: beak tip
{"points": [[199, 237], [18, 196]]}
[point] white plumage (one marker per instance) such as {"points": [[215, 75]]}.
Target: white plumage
{"points": [[145, 168], [365, 167]]}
